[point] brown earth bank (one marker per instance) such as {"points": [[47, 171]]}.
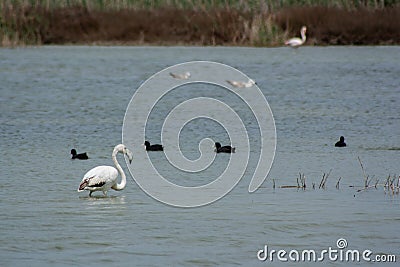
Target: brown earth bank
{"points": [[218, 26]]}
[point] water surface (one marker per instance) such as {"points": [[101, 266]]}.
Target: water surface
{"points": [[57, 98]]}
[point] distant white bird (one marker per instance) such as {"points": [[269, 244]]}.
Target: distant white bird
{"points": [[102, 178], [181, 76], [238, 84], [296, 42]]}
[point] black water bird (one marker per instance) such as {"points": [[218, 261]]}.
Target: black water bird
{"points": [[341, 142], [155, 147], [78, 156], [224, 149]]}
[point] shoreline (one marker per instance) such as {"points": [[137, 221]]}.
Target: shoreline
{"points": [[186, 46], [225, 26]]}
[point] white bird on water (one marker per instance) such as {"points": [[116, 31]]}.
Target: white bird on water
{"points": [[296, 42], [102, 178], [238, 84], [181, 76]]}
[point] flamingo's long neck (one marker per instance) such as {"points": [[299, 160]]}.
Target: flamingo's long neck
{"points": [[303, 36], [121, 185]]}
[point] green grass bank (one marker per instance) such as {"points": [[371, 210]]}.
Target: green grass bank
{"points": [[180, 22]]}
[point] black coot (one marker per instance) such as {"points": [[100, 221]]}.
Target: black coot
{"points": [[341, 142], [156, 147], [224, 149], [78, 156]]}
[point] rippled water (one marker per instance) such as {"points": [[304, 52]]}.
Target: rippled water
{"points": [[57, 98]]}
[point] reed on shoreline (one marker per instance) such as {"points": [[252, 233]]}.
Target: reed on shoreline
{"points": [[185, 22], [253, 5]]}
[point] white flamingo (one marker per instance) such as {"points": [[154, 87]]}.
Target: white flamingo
{"points": [[181, 76], [238, 84], [296, 42], [102, 178]]}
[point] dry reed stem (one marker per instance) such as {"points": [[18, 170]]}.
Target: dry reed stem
{"points": [[337, 184], [365, 176], [324, 179]]}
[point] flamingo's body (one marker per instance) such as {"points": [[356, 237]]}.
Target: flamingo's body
{"points": [[238, 84], [181, 76], [102, 178], [296, 42]]}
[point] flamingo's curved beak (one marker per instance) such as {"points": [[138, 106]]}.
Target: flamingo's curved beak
{"points": [[130, 155]]}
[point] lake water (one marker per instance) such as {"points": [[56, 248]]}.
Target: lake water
{"points": [[56, 98]]}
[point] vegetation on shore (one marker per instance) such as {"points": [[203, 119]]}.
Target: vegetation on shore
{"points": [[205, 22]]}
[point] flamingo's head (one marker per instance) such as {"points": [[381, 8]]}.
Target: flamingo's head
{"points": [[129, 154], [123, 149], [303, 29]]}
